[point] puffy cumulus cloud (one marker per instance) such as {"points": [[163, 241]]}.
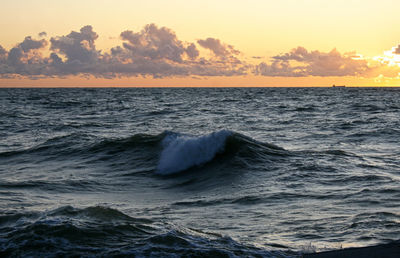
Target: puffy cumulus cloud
{"points": [[24, 59], [153, 51], [223, 53], [214, 45], [217, 47], [155, 43], [158, 52], [77, 47], [192, 51], [29, 44], [3, 59], [300, 62], [3, 53], [27, 58]]}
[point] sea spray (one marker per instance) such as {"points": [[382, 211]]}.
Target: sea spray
{"points": [[181, 152]]}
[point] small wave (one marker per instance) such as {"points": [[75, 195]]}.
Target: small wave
{"points": [[103, 231], [306, 109], [58, 145], [59, 185], [85, 144], [118, 145], [338, 153]]}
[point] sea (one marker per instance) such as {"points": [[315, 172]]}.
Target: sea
{"points": [[197, 172]]}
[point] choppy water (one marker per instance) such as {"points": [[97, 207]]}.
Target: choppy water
{"points": [[211, 171]]}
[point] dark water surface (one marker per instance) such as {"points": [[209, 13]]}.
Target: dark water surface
{"points": [[210, 171]]}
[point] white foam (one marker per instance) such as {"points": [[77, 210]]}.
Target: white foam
{"points": [[182, 151]]}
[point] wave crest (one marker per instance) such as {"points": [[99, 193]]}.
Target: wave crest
{"points": [[181, 152]]}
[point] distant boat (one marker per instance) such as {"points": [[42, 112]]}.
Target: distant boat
{"points": [[338, 86]]}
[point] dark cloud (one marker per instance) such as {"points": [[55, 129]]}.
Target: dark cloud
{"points": [[30, 44], [14, 56], [192, 51], [300, 62], [24, 59], [78, 47], [42, 34], [3, 53], [3, 62], [214, 45]]}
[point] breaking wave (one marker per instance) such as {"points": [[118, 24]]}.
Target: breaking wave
{"points": [[167, 153], [181, 152]]}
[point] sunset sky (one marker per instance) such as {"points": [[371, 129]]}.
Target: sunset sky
{"points": [[199, 43]]}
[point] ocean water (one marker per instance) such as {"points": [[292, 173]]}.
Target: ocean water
{"points": [[198, 171]]}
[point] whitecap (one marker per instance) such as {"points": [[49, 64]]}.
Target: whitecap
{"points": [[181, 152]]}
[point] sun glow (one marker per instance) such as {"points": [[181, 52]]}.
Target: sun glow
{"points": [[389, 58]]}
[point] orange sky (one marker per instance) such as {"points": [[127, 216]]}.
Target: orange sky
{"points": [[363, 32], [242, 81]]}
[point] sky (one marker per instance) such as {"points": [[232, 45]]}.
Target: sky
{"points": [[199, 43]]}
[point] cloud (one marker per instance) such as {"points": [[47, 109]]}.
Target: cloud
{"points": [[29, 44], [3, 53], [3, 60], [192, 51], [156, 44], [14, 56], [77, 46], [217, 47], [214, 45], [24, 59], [154, 51], [158, 52], [300, 62]]}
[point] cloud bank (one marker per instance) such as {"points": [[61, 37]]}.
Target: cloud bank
{"points": [[300, 62], [157, 52], [153, 51]]}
